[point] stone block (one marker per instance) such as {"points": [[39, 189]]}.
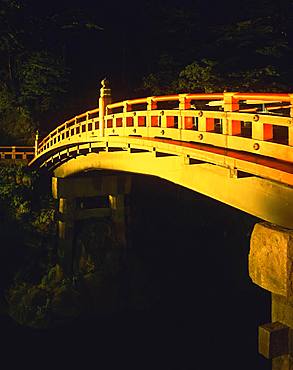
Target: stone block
{"points": [[282, 310], [271, 258], [273, 340], [282, 363]]}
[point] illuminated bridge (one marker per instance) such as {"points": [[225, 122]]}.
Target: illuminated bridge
{"points": [[234, 147]]}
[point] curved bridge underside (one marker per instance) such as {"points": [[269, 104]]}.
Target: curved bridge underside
{"points": [[257, 185]]}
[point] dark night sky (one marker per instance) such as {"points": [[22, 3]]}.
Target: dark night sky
{"points": [[134, 35], [127, 47]]}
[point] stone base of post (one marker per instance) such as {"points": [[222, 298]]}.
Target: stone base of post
{"points": [[283, 363], [271, 267]]}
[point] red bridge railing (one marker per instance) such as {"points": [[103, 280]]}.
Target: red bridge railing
{"points": [[259, 123]]}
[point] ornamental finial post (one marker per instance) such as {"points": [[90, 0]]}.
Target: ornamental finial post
{"points": [[104, 100]]}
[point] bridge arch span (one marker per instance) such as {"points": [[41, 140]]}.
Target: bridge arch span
{"points": [[209, 174], [232, 147]]}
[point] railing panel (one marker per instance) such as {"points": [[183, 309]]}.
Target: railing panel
{"points": [[252, 131]]}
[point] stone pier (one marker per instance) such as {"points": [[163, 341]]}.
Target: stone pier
{"points": [[89, 196], [271, 267]]}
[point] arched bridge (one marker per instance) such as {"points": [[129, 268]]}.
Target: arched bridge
{"points": [[234, 147]]}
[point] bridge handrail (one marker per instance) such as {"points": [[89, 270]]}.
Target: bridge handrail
{"points": [[189, 123], [65, 125], [265, 96], [23, 152], [204, 96], [201, 96], [16, 147]]}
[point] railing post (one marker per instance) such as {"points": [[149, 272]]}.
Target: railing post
{"points": [[126, 108], [36, 143], [231, 104], [184, 104], [104, 100], [151, 105], [290, 128]]}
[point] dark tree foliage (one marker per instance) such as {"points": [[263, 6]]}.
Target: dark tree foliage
{"points": [[254, 53], [31, 78], [211, 47], [34, 67]]}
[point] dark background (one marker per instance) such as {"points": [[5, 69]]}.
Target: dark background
{"points": [[202, 310], [136, 35], [205, 310]]}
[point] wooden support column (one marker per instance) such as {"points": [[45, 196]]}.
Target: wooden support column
{"points": [[117, 204], [66, 234], [69, 190], [271, 267]]}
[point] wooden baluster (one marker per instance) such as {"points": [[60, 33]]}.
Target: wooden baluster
{"points": [[261, 131]]}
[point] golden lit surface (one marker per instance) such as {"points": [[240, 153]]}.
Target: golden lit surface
{"points": [[241, 159], [271, 257], [233, 147]]}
